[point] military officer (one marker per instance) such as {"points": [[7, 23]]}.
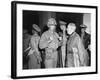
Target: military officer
{"points": [[50, 42], [26, 40], [85, 36], [34, 53], [76, 53], [64, 39], [86, 40]]}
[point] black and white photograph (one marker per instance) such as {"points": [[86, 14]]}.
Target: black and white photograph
{"points": [[56, 40], [53, 39]]}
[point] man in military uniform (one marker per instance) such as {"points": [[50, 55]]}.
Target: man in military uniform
{"points": [[34, 53], [85, 36], [86, 40], [50, 42], [26, 40], [64, 39], [76, 53]]}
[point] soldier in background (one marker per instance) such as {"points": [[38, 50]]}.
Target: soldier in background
{"points": [[64, 40], [76, 53], [34, 53], [26, 40], [86, 40], [85, 36], [50, 42]]}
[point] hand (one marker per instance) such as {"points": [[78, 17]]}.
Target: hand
{"points": [[60, 38], [75, 50], [39, 59], [50, 39], [61, 43]]}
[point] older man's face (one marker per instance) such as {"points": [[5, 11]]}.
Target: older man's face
{"points": [[70, 29]]}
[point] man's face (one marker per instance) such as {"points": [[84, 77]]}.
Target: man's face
{"points": [[83, 30], [63, 27], [52, 27], [34, 32], [70, 29]]}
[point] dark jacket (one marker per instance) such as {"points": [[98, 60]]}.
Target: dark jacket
{"points": [[86, 40]]}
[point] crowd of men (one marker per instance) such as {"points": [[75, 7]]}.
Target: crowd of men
{"points": [[53, 49]]}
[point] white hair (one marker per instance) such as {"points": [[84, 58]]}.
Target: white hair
{"points": [[73, 26]]}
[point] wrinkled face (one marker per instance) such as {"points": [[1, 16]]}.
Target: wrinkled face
{"points": [[52, 27], [70, 29]]}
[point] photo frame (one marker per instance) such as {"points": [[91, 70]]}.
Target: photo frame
{"points": [[19, 9]]}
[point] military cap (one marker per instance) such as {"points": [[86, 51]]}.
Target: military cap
{"points": [[36, 27], [51, 21], [83, 26], [62, 23]]}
